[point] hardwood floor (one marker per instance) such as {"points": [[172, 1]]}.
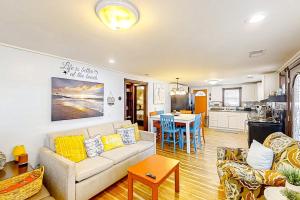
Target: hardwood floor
{"points": [[198, 175]]}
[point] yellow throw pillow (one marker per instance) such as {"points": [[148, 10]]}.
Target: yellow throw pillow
{"points": [[136, 130], [71, 147], [112, 141]]}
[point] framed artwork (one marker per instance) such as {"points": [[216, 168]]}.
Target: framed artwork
{"points": [[158, 93], [72, 99]]}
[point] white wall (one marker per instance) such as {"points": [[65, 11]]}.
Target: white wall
{"points": [[25, 102]]}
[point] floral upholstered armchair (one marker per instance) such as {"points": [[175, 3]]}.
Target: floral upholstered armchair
{"points": [[241, 181]]}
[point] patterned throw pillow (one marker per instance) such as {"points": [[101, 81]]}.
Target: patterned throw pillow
{"points": [[127, 135], [71, 147], [136, 130], [93, 146]]}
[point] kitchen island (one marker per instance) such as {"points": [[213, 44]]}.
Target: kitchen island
{"points": [[228, 120]]}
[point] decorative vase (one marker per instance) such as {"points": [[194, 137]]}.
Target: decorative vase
{"points": [[292, 187], [2, 160], [18, 150]]}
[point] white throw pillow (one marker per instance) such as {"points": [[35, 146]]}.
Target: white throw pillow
{"points": [[259, 156]]}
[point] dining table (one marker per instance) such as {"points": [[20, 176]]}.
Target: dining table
{"points": [[187, 119]]}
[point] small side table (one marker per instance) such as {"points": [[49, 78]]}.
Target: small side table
{"points": [[273, 193], [12, 169]]}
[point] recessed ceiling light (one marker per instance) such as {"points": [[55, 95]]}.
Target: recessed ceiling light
{"points": [[117, 14], [111, 61], [249, 76], [258, 17], [213, 82]]}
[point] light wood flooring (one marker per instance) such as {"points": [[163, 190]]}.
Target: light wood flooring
{"points": [[198, 175]]}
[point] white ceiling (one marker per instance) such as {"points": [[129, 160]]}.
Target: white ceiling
{"points": [[195, 40]]}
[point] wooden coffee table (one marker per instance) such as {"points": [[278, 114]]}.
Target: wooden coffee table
{"points": [[157, 165]]}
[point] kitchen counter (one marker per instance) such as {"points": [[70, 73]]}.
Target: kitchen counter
{"points": [[230, 120]]}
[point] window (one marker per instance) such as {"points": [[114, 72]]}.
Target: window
{"points": [[296, 109], [232, 97]]}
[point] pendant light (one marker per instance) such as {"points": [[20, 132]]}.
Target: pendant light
{"points": [[177, 91], [117, 14]]}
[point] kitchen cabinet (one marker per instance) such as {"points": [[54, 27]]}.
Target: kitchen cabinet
{"points": [[249, 92], [222, 120], [216, 93], [270, 84], [231, 121], [237, 120], [260, 91]]}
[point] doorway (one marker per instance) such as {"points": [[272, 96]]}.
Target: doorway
{"points": [[201, 104], [136, 104]]}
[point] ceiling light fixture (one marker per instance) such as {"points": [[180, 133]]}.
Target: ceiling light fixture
{"points": [[177, 90], [213, 82], [111, 61], [117, 14], [258, 17]]}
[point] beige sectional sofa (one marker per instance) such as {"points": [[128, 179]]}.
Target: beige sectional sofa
{"points": [[67, 180]]}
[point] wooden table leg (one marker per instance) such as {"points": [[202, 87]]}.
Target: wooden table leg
{"points": [[130, 187], [177, 178], [155, 192]]}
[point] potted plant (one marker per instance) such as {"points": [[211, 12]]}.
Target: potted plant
{"points": [[292, 178], [290, 195]]}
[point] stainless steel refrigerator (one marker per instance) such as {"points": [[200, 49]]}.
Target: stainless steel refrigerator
{"points": [[183, 102]]}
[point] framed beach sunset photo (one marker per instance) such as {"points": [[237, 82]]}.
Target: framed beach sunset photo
{"points": [[73, 99]]}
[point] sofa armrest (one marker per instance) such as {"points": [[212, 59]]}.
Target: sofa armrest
{"points": [[59, 174], [233, 154], [148, 136]]}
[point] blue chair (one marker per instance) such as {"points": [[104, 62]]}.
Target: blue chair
{"points": [[168, 126], [194, 130]]}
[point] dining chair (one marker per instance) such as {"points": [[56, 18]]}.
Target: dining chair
{"points": [[156, 124], [168, 126], [195, 131]]}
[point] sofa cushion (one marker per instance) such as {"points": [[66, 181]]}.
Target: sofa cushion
{"points": [[93, 147], [91, 166], [112, 141], [142, 145], [51, 136], [136, 130], [120, 154], [120, 124], [260, 157], [127, 135], [71, 147], [102, 129]]}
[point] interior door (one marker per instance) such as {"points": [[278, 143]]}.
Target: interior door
{"points": [[201, 102]]}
